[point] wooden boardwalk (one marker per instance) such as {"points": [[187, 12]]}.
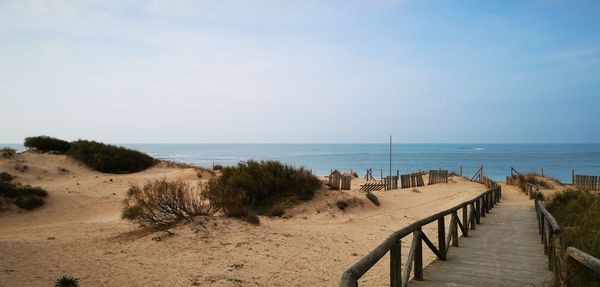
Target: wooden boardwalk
{"points": [[505, 250]]}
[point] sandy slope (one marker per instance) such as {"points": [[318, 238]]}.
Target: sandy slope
{"points": [[79, 232]]}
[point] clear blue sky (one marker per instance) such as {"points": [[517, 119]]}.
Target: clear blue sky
{"points": [[301, 71]]}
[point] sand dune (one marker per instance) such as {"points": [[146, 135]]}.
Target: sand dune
{"points": [[79, 232]]}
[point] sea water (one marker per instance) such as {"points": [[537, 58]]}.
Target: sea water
{"points": [[557, 160]]}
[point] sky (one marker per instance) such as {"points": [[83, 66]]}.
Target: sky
{"points": [[307, 71]]}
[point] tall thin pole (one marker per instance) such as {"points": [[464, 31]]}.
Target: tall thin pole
{"points": [[390, 156]]}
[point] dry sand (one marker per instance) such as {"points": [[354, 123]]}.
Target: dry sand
{"points": [[79, 233]]}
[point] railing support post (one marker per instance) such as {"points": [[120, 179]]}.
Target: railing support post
{"points": [[396, 265], [473, 216], [454, 229], [482, 205], [442, 237], [418, 275], [477, 211], [465, 220]]}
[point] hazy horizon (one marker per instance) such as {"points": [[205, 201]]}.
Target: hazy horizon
{"points": [[301, 72]]}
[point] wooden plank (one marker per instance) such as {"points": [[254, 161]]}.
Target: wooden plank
{"points": [[489, 256]]}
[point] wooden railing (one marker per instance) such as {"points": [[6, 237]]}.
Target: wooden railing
{"points": [[549, 231], [472, 211], [480, 178], [530, 189]]}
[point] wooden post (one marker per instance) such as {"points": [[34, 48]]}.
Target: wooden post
{"points": [[442, 237], [461, 171], [396, 265], [418, 275], [482, 205], [473, 216], [573, 177], [481, 174], [477, 211], [465, 221], [454, 229], [542, 171]]}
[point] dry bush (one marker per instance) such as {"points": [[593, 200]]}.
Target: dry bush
{"points": [[341, 204], [163, 203], [534, 179], [8, 152]]}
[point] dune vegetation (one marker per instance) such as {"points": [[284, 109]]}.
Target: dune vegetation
{"points": [[578, 213], [23, 196], [258, 186], [98, 156]]}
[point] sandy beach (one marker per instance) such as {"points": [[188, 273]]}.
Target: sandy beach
{"points": [[79, 232]]}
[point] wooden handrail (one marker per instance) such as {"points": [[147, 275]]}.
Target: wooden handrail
{"points": [[588, 260], [548, 216], [480, 205]]}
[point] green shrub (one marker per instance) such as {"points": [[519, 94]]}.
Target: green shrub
{"points": [[276, 211], [8, 152], [267, 181], [66, 281], [373, 198], [217, 167], [578, 214], [569, 206], [162, 203], [257, 185], [110, 158], [246, 214], [341, 204], [5, 176], [46, 144], [25, 197]]}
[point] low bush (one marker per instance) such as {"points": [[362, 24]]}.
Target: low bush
{"points": [[66, 281], [578, 214], [8, 152], [534, 179], [276, 211], [25, 197], [254, 185], [163, 203], [217, 167], [341, 204], [264, 182], [5, 176], [110, 158], [46, 144]]}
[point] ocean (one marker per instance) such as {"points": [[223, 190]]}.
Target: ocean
{"points": [[558, 160]]}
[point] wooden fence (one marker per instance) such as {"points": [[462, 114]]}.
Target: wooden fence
{"points": [[472, 211], [412, 180], [372, 186], [340, 182], [438, 176], [558, 258], [390, 182], [369, 174], [586, 182]]}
